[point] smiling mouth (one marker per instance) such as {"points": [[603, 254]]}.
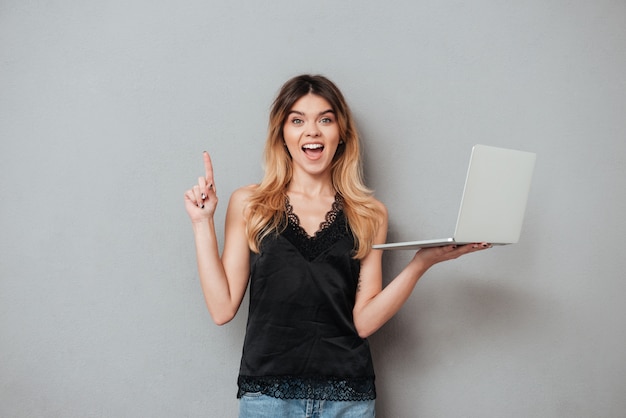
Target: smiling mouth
{"points": [[313, 149]]}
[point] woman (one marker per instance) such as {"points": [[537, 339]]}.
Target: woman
{"points": [[303, 238]]}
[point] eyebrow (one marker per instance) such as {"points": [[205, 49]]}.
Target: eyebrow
{"points": [[319, 114]]}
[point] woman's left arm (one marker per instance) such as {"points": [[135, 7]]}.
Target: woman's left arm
{"points": [[374, 306]]}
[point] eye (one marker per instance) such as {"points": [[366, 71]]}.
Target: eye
{"points": [[326, 120], [297, 121]]}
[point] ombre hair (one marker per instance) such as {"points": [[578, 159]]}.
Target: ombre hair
{"points": [[266, 211]]}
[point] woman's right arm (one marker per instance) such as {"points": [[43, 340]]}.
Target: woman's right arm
{"points": [[223, 280]]}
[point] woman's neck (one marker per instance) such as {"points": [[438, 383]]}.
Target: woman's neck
{"points": [[310, 186]]}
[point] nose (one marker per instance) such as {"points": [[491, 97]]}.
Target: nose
{"points": [[313, 130]]}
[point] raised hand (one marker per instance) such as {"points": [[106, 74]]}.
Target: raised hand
{"points": [[201, 199]]}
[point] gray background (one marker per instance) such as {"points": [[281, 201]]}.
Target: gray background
{"points": [[105, 108]]}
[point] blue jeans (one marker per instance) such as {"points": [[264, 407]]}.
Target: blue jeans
{"points": [[256, 405]]}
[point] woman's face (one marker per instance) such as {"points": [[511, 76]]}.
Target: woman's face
{"points": [[311, 134]]}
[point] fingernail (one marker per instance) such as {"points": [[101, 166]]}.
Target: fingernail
{"points": [[203, 196], [202, 207]]}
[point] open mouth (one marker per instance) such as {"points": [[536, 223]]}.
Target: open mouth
{"points": [[313, 149]]}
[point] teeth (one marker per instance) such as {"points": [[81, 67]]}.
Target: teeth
{"points": [[312, 146]]}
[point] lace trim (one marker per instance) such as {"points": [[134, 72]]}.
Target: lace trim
{"points": [[319, 388], [332, 229], [329, 219]]}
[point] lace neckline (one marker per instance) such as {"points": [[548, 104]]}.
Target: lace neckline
{"points": [[329, 219]]}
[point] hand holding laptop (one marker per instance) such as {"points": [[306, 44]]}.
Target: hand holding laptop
{"points": [[429, 256]]}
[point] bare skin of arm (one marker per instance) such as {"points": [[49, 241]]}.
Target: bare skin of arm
{"points": [[374, 305], [223, 279]]}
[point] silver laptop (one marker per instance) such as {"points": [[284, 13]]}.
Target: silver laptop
{"points": [[493, 202]]}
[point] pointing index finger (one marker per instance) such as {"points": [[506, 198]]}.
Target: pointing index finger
{"points": [[208, 167]]}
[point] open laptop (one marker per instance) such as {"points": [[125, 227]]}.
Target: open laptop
{"points": [[493, 201]]}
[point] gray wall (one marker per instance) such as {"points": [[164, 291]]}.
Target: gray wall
{"points": [[105, 108]]}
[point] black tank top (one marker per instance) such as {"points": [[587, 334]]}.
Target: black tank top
{"points": [[301, 342]]}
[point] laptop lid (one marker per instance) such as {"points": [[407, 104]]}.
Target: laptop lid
{"points": [[495, 195], [493, 201]]}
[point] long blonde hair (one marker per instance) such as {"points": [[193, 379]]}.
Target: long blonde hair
{"points": [[266, 206]]}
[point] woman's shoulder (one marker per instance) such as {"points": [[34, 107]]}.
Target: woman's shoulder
{"points": [[366, 205], [245, 191], [241, 196], [378, 206]]}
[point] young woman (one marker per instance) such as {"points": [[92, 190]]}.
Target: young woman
{"points": [[302, 238]]}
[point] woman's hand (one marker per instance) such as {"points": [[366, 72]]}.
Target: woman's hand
{"points": [[201, 199], [434, 255]]}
